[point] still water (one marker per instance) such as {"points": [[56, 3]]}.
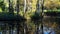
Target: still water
{"points": [[28, 27]]}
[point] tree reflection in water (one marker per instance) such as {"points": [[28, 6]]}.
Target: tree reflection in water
{"points": [[11, 27], [30, 27], [49, 30]]}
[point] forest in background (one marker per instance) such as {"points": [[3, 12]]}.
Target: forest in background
{"points": [[29, 9]]}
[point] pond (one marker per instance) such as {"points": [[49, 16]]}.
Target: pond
{"points": [[28, 27]]}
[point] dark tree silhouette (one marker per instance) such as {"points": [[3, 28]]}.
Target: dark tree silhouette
{"points": [[11, 9]]}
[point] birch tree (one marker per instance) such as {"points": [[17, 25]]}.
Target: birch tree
{"points": [[23, 15]]}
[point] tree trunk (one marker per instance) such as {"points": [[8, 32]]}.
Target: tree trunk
{"points": [[24, 6], [18, 7], [11, 9]]}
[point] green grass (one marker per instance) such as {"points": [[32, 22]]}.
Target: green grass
{"points": [[52, 10]]}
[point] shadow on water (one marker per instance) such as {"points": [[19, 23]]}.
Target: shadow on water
{"points": [[8, 17], [17, 27]]}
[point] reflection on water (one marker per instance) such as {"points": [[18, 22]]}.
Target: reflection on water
{"points": [[28, 27], [11, 27]]}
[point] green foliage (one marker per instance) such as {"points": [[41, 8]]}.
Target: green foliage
{"points": [[15, 11], [2, 6], [36, 16], [1, 0], [52, 5]]}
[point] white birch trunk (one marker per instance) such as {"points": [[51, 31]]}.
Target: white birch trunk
{"points": [[24, 6], [24, 13]]}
